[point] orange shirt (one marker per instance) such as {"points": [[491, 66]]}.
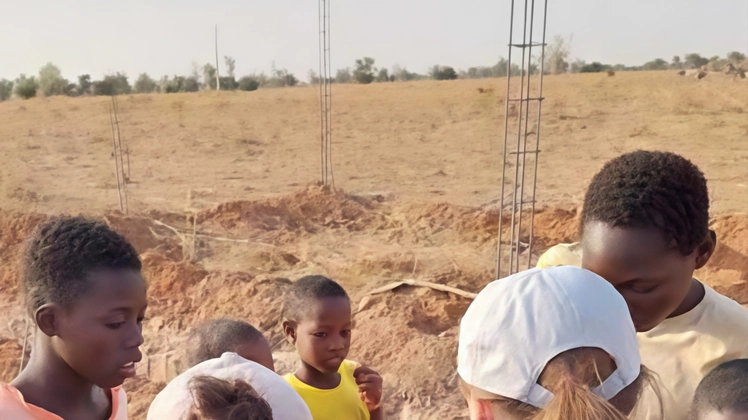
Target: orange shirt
{"points": [[13, 406]]}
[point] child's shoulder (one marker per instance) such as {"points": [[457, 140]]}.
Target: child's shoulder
{"points": [[725, 311], [13, 406]]}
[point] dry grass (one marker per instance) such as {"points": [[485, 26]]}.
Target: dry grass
{"points": [[421, 141]]}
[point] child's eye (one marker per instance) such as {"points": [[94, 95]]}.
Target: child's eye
{"points": [[643, 289], [142, 320], [320, 335], [345, 333], [115, 325]]}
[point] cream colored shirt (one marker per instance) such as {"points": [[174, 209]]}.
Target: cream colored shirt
{"points": [[683, 349]]}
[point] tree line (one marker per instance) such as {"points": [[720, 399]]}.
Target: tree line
{"points": [[49, 81]]}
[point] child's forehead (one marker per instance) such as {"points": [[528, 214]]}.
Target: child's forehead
{"points": [[328, 311]]}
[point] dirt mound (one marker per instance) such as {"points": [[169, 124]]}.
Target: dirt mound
{"points": [[305, 210], [410, 337], [146, 235], [728, 267]]}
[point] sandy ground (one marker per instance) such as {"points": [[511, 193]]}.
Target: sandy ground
{"points": [[417, 161]]}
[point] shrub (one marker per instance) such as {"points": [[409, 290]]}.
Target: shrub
{"points": [[229, 83], [26, 87], [248, 84], [443, 73], [594, 68], [145, 84], [736, 57], [657, 64], [6, 89], [383, 76], [695, 61], [191, 84]]}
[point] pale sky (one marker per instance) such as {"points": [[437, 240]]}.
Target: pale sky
{"points": [[166, 36]]}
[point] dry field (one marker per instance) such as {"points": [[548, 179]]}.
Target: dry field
{"points": [[417, 163]]}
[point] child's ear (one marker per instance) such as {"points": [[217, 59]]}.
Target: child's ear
{"points": [[47, 318], [706, 249], [289, 328]]}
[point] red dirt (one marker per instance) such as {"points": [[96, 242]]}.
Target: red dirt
{"points": [[408, 334]]}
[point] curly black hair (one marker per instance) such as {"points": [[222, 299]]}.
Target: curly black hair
{"points": [[218, 399], [306, 291], [724, 389], [61, 253], [215, 337], [649, 189]]}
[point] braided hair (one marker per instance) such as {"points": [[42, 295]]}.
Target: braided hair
{"points": [[724, 389], [648, 189], [308, 290], [62, 252]]}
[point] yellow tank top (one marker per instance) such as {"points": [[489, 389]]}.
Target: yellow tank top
{"points": [[340, 403]]}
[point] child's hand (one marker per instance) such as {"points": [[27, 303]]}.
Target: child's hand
{"points": [[369, 387]]}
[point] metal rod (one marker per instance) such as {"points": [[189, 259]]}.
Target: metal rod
{"points": [[519, 145], [119, 155], [506, 136], [527, 123], [329, 95], [218, 76], [116, 162], [322, 78], [537, 140]]}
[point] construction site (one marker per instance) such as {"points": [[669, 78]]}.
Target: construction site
{"points": [[223, 203]]}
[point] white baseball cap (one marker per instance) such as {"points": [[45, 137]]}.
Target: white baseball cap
{"points": [[518, 324], [175, 401]]}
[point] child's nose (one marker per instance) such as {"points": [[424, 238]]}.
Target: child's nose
{"points": [[135, 338]]}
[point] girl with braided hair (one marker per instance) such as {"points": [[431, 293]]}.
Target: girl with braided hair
{"points": [[645, 229], [87, 299]]}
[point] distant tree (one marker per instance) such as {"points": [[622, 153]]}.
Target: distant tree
{"points": [[577, 65], [736, 57], [229, 83], [312, 77], [84, 84], [383, 76], [26, 87], [281, 78], [6, 89], [675, 63], [248, 84], [402, 74], [657, 64], [173, 85], [557, 55], [619, 67], [695, 61], [230, 67], [595, 67], [364, 71], [112, 84], [191, 84], [145, 84], [343, 76], [51, 81], [442, 73], [209, 77]]}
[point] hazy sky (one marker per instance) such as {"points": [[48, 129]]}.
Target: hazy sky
{"points": [[166, 36]]}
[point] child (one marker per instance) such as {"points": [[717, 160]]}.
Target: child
{"points": [[232, 378], [318, 323], [87, 299], [213, 338], [723, 393], [645, 230], [555, 344], [218, 399]]}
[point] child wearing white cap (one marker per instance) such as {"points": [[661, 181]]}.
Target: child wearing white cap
{"points": [[550, 344], [645, 229]]}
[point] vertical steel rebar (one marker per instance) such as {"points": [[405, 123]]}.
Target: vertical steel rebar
{"points": [[521, 150], [116, 161]]}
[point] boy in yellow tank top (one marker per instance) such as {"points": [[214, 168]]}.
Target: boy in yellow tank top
{"points": [[645, 229], [317, 321]]}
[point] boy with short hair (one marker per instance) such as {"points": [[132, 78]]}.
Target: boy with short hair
{"points": [[645, 230], [318, 323], [723, 393], [211, 339], [87, 298]]}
